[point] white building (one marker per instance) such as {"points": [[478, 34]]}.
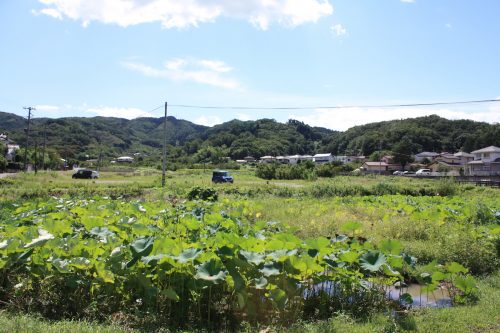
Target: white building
{"points": [[125, 159], [323, 158], [486, 162], [11, 152]]}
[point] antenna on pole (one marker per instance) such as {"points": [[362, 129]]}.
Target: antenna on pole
{"points": [[164, 168], [29, 108]]}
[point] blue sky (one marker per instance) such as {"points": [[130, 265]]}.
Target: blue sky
{"points": [[125, 58]]}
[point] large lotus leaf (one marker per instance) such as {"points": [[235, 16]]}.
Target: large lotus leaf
{"points": [[102, 233], [188, 255], [270, 269], [62, 265], [80, 262], [252, 257], [281, 255], [351, 227], [43, 236], [372, 261], [260, 283], [391, 246], [349, 256], [465, 284], [210, 271], [455, 268], [170, 294], [142, 246], [279, 297]]}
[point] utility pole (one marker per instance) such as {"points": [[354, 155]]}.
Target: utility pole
{"points": [[36, 157], [44, 143], [164, 169], [29, 108]]}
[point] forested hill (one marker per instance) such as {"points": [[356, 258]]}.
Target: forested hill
{"points": [[78, 137]]}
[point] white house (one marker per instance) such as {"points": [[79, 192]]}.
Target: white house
{"points": [[125, 159], [486, 162], [322, 158], [267, 159]]}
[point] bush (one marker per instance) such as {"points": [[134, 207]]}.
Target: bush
{"points": [[203, 193]]}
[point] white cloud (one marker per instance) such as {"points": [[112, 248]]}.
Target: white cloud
{"points": [[208, 120], [188, 13], [338, 30], [448, 25], [210, 72], [243, 117], [342, 119], [127, 113], [408, 1], [47, 108]]}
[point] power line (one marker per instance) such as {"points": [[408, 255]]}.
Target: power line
{"points": [[332, 107]]}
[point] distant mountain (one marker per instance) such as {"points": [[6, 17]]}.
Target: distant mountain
{"points": [[78, 138]]}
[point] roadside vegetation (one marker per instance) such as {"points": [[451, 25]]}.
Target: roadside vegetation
{"points": [[311, 255]]}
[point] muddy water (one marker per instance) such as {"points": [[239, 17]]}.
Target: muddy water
{"points": [[439, 298]]}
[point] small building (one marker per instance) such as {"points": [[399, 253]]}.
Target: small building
{"points": [[304, 158], [464, 157], [294, 159], [241, 161], [125, 159], [322, 158], [250, 159], [379, 167], [3, 137], [282, 159], [267, 159]]}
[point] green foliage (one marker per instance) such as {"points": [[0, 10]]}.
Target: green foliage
{"points": [[202, 193], [205, 261]]}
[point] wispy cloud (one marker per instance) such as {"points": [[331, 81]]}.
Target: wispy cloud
{"points": [[210, 72], [182, 14], [408, 1], [338, 30], [127, 113]]}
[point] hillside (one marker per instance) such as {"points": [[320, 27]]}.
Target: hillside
{"points": [[77, 138]]}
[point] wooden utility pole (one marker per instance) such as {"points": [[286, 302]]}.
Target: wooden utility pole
{"points": [[44, 143], [29, 108], [164, 168]]}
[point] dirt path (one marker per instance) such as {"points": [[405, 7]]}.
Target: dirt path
{"points": [[5, 175]]}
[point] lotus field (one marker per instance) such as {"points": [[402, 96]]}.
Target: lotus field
{"points": [[198, 261]]}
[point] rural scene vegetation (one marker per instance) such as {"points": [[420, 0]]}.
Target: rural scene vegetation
{"points": [[301, 247], [249, 166]]}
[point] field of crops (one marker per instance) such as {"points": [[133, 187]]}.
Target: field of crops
{"points": [[198, 256]]}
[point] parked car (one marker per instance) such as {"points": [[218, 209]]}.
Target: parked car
{"points": [[423, 172], [221, 176], [407, 173], [85, 174], [398, 173]]}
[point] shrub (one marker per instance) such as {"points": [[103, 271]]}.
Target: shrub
{"points": [[203, 193]]}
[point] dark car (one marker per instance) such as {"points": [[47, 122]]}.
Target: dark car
{"points": [[221, 176], [85, 174]]}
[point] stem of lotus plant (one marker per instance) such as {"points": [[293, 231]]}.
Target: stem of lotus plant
{"points": [[209, 301]]}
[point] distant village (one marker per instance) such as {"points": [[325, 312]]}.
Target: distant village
{"points": [[482, 162]]}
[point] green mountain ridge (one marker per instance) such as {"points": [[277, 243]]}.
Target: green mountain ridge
{"points": [[82, 138]]}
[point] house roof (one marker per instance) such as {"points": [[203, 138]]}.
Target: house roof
{"points": [[267, 157], [323, 155], [476, 162], [376, 163], [490, 149], [427, 154], [464, 154]]}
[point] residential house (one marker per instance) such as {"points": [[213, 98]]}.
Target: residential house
{"points": [[250, 159], [322, 158], [282, 159], [379, 167], [464, 157], [125, 159], [420, 157], [267, 159], [486, 162]]}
